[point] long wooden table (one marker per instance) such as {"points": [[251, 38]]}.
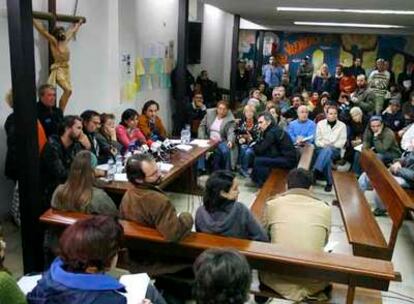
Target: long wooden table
{"points": [[181, 178]]}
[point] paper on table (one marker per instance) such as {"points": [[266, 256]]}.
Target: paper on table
{"points": [[200, 142], [175, 141], [165, 167], [358, 148], [27, 283], [136, 286], [103, 167], [120, 177], [330, 246], [184, 147]]}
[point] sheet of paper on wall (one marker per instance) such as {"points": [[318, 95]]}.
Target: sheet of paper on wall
{"points": [[203, 143], [120, 177], [184, 148], [165, 167], [152, 66], [156, 83], [139, 67], [136, 286], [168, 65]]}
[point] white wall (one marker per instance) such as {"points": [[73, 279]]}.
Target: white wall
{"points": [[217, 35]]}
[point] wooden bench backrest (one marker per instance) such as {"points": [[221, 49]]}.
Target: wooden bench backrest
{"points": [[387, 188], [339, 268], [305, 160]]}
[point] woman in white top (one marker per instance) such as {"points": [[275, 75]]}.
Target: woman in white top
{"points": [[330, 140], [218, 125]]}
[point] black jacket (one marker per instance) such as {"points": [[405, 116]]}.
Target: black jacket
{"points": [[50, 118], [275, 142], [55, 162], [10, 168]]}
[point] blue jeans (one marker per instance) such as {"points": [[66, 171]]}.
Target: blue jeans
{"points": [[246, 157], [263, 165], [323, 163], [221, 157], [365, 185], [356, 166]]}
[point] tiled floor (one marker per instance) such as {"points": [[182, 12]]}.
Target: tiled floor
{"points": [[403, 255]]}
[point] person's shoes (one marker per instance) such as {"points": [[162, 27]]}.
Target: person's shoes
{"points": [[380, 212], [244, 173], [328, 188]]}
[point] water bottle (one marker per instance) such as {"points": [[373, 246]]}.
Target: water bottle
{"points": [[186, 135], [118, 164], [110, 174]]}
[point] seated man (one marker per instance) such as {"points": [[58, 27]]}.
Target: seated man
{"points": [[292, 113], [148, 205], [274, 149], [58, 154], [393, 116], [91, 122], [48, 114], [382, 140], [402, 171], [297, 219], [330, 140], [302, 130], [195, 112], [407, 138]]}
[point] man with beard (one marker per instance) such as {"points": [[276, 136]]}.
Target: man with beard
{"points": [[59, 71], [363, 97], [147, 204], [58, 154]]}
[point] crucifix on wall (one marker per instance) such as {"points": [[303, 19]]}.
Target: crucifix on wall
{"points": [[59, 39]]}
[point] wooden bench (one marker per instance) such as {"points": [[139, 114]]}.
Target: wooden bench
{"points": [[331, 267], [276, 182], [394, 197]]}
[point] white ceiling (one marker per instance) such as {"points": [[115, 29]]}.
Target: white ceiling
{"points": [[263, 12]]}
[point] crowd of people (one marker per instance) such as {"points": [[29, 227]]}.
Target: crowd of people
{"points": [[339, 114]]}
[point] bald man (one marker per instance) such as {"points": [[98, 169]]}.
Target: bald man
{"points": [[302, 129]]}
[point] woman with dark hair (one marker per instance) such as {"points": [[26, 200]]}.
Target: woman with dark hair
{"points": [[222, 214], [109, 147], [87, 249], [78, 193], [127, 132], [221, 277], [150, 123]]}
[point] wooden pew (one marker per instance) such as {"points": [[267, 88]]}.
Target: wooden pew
{"points": [[337, 268], [362, 229], [276, 182], [394, 197]]}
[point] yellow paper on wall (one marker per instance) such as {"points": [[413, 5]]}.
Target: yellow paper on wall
{"points": [[130, 90], [139, 67]]}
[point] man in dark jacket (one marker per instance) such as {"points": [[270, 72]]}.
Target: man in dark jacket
{"points": [[208, 89], [274, 149], [91, 122], [355, 69], [304, 74], [195, 112], [58, 154], [48, 114]]}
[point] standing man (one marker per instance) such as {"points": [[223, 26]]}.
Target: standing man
{"points": [[304, 74], [378, 81], [355, 69], [272, 73], [48, 114]]}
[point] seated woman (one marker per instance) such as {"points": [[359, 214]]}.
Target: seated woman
{"points": [[323, 81], [246, 133], [78, 193], [150, 123], [222, 214], [10, 292], [109, 147], [330, 140], [222, 276], [127, 132], [87, 249], [218, 125]]}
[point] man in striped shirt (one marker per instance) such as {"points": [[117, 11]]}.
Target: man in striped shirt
{"points": [[378, 81]]}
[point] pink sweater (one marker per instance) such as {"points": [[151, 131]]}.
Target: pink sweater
{"points": [[125, 137]]}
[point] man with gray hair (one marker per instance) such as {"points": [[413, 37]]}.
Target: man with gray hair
{"points": [[302, 130], [363, 96], [274, 149]]}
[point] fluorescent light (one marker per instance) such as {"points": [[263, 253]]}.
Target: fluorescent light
{"points": [[348, 24], [342, 10]]}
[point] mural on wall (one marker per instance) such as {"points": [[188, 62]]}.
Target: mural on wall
{"points": [[289, 48]]}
